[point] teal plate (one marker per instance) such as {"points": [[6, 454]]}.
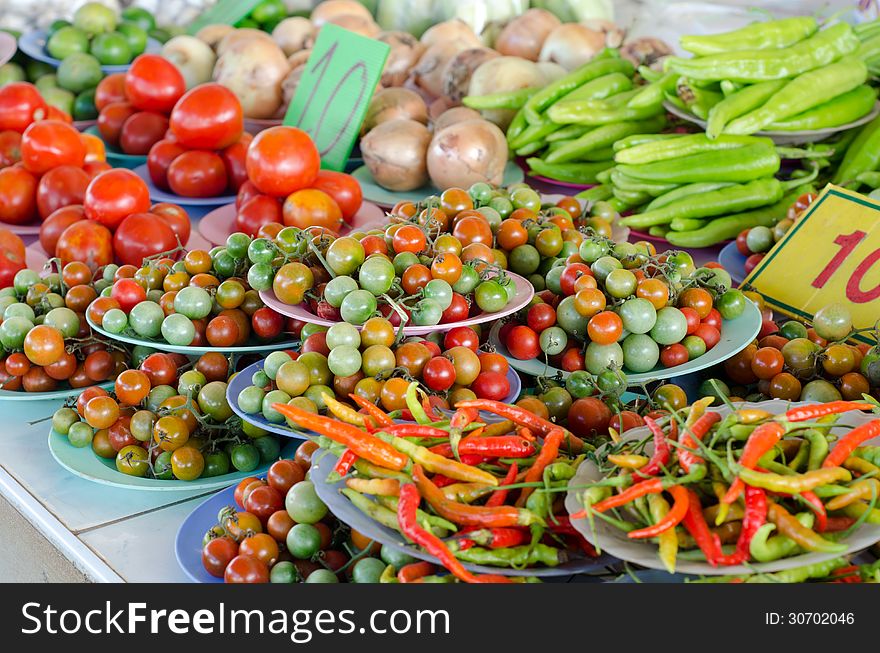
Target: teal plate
{"points": [[735, 336], [86, 464], [61, 393], [373, 192], [161, 345], [115, 157]]}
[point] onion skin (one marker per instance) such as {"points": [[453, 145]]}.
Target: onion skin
{"points": [[406, 50], [646, 51], [193, 57], [504, 74], [213, 34], [466, 153], [357, 24], [458, 71], [241, 35], [451, 30], [294, 34], [254, 70], [454, 115], [524, 35], [572, 45], [325, 11], [395, 153], [428, 74], [395, 104]]}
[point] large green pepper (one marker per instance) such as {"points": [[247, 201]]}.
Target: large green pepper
{"points": [[769, 35], [740, 165]]}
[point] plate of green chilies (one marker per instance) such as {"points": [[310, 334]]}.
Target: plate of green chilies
{"points": [[783, 530]]}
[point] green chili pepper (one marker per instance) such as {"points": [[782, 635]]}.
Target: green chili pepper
{"points": [[517, 125], [769, 35], [531, 148], [806, 91], [559, 472], [675, 148], [575, 173], [604, 177], [856, 510], [620, 180], [686, 224], [818, 448], [842, 110], [869, 48], [741, 197], [389, 575], [532, 133], [728, 88], [428, 521], [568, 132], [699, 101], [544, 98], [863, 154], [686, 191], [601, 88], [743, 164], [649, 74], [653, 93], [764, 548], [638, 139], [801, 457], [589, 112], [603, 137], [740, 103], [632, 198], [372, 509], [514, 556], [750, 66], [870, 453], [659, 230], [504, 100], [800, 574], [596, 194], [870, 179]]}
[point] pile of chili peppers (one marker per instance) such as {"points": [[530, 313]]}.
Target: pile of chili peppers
{"points": [[462, 490], [747, 487]]}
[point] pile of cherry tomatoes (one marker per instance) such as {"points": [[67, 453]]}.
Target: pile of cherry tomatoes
{"points": [[754, 243]]}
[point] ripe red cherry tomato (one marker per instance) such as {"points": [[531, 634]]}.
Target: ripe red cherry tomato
{"points": [[281, 160], [458, 310], [709, 334], [111, 119], [246, 192], [48, 144], [491, 385], [713, 319], [197, 173], [256, 212], [20, 105], [10, 148], [692, 317], [439, 374], [344, 189], [159, 159], [234, 158], [461, 336], [176, 217], [522, 343], [152, 83], [18, 190], [141, 131], [572, 360], [540, 317], [60, 187], [128, 293], [54, 225], [141, 235], [674, 355], [625, 420], [114, 195], [570, 274], [267, 324], [110, 89], [207, 117]]}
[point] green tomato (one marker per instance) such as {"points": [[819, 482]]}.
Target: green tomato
{"points": [[759, 239], [620, 283], [63, 319], [139, 353], [78, 72], [490, 296], [63, 419], [403, 261], [269, 448], [558, 402], [640, 353], [273, 362], [468, 281], [367, 570], [322, 576], [345, 255], [671, 326], [343, 334], [598, 358], [84, 105], [303, 504], [681, 262], [426, 312], [315, 394], [260, 276], [158, 395], [553, 279], [820, 391], [569, 319], [695, 346], [731, 304], [592, 249], [580, 384], [212, 401], [714, 388], [13, 331], [23, 280], [237, 245], [193, 302], [310, 329], [440, 291], [553, 340], [336, 290], [359, 306], [377, 275], [284, 572], [178, 330], [344, 360], [274, 397], [792, 330], [316, 364], [80, 435], [524, 259], [132, 460], [162, 466], [216, 464], [190, 382], [502, 206], [146, 319], [245, 457], [537, 281], [604, 266], [638, 315], [613, 381], [250, 400], [833, 322], [111, 49]]}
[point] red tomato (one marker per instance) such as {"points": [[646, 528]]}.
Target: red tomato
{"points": [[246, 569], [625, 420], [20, 105], [159, 159], [588, 417], [246, 192], [540, 317], [86, 241], [141, 235], [18, 189], [741, 245], [752, 261], [207, 117], [114, 195], [263, 501], [491, 385], [256, 212], [572, 360], [570, 274], [458, 310], [48, 144], [234, 158], [461, 336], [344, 189], [267, 324], [12, 256], [152, 83], [109, 90], [692, 317], [311, 208], [197, 173], [713, 319], [111, 119], [674, 355], [281, 160], [522, 343], [176, 217], [56, 223], [10, 148], [128, 293], [709, 334], [54, 113], [95, 168], [238, 494], [60, 187], [141, 131]]}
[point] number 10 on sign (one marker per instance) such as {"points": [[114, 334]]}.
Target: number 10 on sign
{"points": [[831, 254], [335, 90]]}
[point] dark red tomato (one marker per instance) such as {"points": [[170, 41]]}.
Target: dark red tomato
{"points": [[159, 159], [741, 245], [246, 569], [141, 235], [176, 217], [550, 297], [439, 374], [491, 385], [18, 190], [522, 343], [257, 211], [433, 347], [572, 360], [207, 117], [540, 317], [114, 195], [60, 187], [673, 355], [12, 257], [95, 168], [142, 131], [316, 342], [110, 89], [128, 293], [752, 261], [234, 158], [589, 417], [709, 334], [48, 144], [246, 192], [344, 189], [281, 160], [461, 336], [120, 437], [571, 273], [457, 311], [263, 501], [197, 173], [625, 421], [20, 105], [160, 369], [267, 324], [217, 554], [238, 494], [10, 148], [284, 474], [713, 319], [111, 119], [86, 241], [692, 317], [152, 83]]}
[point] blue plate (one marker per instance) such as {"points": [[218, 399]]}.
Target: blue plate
{"points": [[33, 44], [159, 195], [118, 158], [733, 261], [188, 543]]}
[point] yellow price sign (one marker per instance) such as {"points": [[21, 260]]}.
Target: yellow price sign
{"points": [[831, 254]]}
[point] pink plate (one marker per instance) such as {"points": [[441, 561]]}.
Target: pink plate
{"points": [[36, 256], [7, 47], [82, 125], [524, 293], [565, 184], [23, 229], [256, 125], [218, 224]]}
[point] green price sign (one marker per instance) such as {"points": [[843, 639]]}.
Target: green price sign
{"points": [[225, 12], [335, 91]]}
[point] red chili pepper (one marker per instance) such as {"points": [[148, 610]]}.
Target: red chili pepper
{"points": [[662, 450], [549, 451], [651, 486], [526, 434], [696, 525], [818, 509], [504, 446], [381, 417], [755, 517], [836, 524], [443, 481], [762, 440], [346, 460], [500, 496], [561, 525], [522, 417], [407, 508], [698, 430], [848, 443], [496, 538], [415, 431], [473, 459], [463, 417], [429, 409], [413, 571], [849, 574], [805, 413], [671, 520]]}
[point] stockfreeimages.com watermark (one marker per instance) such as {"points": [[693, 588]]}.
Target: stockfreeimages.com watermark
{"points": [[299, 625]]}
